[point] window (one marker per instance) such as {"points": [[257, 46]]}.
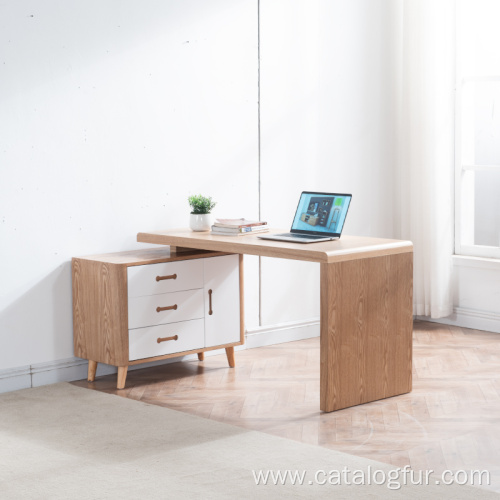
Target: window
{"points": [[477, 152]]}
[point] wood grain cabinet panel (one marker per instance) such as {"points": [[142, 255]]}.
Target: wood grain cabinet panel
{"points": [[135, 307]]}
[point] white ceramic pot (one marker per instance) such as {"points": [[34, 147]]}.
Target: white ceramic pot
{"points": [[200, 222]]}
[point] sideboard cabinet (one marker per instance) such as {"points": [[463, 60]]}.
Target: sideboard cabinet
{"points": [[148, 305]]}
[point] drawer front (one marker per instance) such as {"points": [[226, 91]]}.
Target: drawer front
{"points": [[166, 277], [172, 307], [143, 342]]}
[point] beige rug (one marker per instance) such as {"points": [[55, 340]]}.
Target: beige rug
{"points": [[66, 442]]}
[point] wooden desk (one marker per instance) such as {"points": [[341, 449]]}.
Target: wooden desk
{"points": [[366, 318]]}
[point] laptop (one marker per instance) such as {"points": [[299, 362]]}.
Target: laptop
{"points": [[319, 217]]}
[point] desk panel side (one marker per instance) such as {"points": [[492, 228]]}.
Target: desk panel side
{"points": [[366, 330]]}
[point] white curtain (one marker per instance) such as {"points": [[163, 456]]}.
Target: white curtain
{"points": [[425, 70]]}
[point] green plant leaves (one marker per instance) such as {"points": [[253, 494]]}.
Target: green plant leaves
{"points": [[201, 204]]}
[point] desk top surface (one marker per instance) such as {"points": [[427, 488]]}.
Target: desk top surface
{"points": [[346, 248]]}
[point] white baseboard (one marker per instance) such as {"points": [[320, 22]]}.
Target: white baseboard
{"points": [[470, 318], [283, 332], [62, 370], [15, 378], [67, 370]]}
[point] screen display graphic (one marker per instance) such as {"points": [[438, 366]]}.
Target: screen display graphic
{"points": [[321, 213]]}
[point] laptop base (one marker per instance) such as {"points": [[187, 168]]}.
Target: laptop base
{"points": [[296, 238]]}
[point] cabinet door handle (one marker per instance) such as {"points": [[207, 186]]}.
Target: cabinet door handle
{"points": [[168, 308], [169, 277], [164, 339], [210, 312]]}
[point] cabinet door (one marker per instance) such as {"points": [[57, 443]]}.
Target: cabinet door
{"points": [[222, 300]]}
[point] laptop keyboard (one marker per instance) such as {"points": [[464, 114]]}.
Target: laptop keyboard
{"points": [[293, 235]]}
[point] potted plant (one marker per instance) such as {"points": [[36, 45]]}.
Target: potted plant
{"points": [[200, 217]]}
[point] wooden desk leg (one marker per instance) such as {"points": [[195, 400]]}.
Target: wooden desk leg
{"points": [[230, 356], [201, 356], [91, 370], [122, 377], [366, 330]]}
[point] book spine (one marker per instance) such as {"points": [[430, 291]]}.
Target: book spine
{"points": [[220, 233], [241, 226], [238, 230]]}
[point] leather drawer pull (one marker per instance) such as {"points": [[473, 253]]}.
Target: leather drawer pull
{"points": [[168, 308], [164, 339], [169, 277], [210, 312]]}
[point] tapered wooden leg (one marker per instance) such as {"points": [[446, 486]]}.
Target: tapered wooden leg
{"points": [[230, 356], [366, 330], [201, 356], [122, 377], [92, 370]]}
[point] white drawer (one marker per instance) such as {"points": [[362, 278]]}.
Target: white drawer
{"points": [[165, 277], [143, 342], [150, 310]]}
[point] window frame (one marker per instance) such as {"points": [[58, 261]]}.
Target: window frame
{"points": [[464, 172]]}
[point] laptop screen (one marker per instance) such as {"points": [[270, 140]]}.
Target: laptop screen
{"points": [[321, 213]]}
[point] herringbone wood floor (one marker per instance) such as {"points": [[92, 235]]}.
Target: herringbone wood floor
{"points": [[451, 419]]}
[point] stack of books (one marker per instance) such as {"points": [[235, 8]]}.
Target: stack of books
{"points": [[238, 227]]}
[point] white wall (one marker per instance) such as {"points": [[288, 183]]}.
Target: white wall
{"points": [[111, 113], [326, 125]]}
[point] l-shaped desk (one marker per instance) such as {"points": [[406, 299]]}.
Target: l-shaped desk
{"points": [[366, 316]]}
